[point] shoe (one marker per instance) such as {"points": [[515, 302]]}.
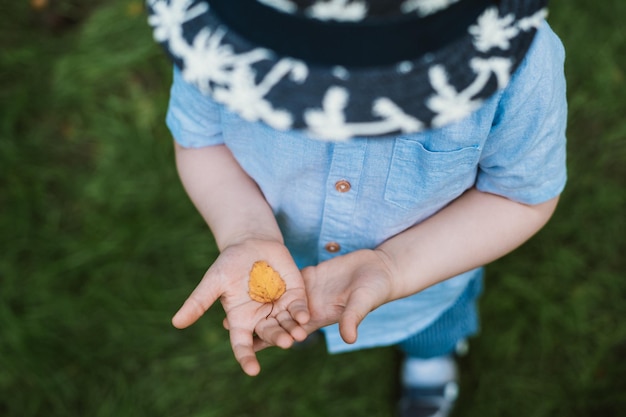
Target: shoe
{"points": [[429, 387], [428, 401]]}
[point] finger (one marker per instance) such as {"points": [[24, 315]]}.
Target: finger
{"points": [[202, 297], [286, 322], [259, 344], [299, 310], [242, 344], [225, 323], [271, 332]]}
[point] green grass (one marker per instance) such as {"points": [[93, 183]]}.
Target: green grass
{"points": [[100, 245]]}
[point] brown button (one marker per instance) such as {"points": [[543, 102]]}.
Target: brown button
{"points": [[332, 247], [343, 186]]}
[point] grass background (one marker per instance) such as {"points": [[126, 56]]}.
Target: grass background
{"points": [[99, 246]]}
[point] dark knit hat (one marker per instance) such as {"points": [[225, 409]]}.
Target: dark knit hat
{"points": [[338, 69]]}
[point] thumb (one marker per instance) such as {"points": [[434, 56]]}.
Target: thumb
{"points": [[199, 301], [354, 313]]}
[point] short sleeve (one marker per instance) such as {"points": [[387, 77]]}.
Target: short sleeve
{"points": [[524, 157], [192, 117]]}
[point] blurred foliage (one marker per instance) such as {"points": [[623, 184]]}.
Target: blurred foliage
{"points": [[100, 245]]}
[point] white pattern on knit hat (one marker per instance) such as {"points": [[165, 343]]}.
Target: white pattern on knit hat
{"points": [[425, 7], [208, 61], [211, 62], [167, 19], [340, 10], [451, 105], [330, 121], [214, 67], [493, 31], [246, 98], [283, 5], [533, 21]]}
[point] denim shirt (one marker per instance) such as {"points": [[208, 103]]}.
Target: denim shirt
{"points": [[331, 198]]}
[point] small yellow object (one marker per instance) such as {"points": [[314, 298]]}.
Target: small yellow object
{"points": [[38, 4], [134, 8], [265, 285]]}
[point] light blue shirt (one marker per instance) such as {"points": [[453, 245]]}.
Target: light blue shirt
{"points": [[513, 146]]}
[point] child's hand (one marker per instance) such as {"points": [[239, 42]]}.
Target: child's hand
{"points": [[343, 290], [227, 279]]}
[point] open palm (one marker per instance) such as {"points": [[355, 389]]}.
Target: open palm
{"points": [[227, 280]]}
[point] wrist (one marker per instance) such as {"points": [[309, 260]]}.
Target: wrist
{"points": [[245, 236], [389, 265]]}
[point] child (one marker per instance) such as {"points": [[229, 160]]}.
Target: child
{"points": [[376, 153]]}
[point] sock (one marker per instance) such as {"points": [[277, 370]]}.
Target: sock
{"points": [[428, 372]]}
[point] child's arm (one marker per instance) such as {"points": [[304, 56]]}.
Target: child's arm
{"points": [[245, 230], [474, 230]]}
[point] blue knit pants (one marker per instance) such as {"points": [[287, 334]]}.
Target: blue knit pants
{"points": [[460, 321]]}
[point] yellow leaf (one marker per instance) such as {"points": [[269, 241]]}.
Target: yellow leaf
{"points": [[265, 285]]}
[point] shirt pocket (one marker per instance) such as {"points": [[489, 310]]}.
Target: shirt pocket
{"points": [[419, 177]]}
